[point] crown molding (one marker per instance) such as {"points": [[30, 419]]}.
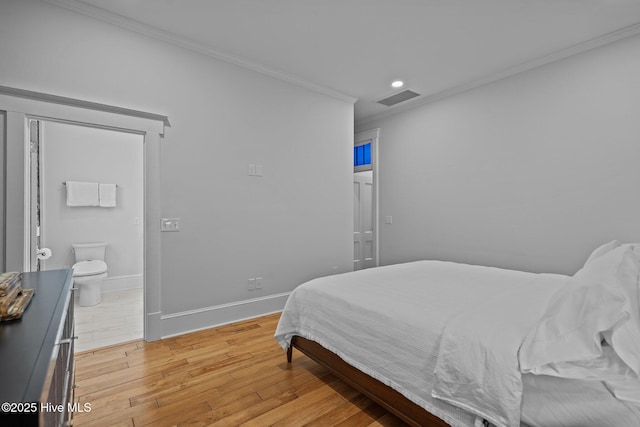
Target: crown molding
{"points": [[620, 34], [183, 42], [168, 37]]}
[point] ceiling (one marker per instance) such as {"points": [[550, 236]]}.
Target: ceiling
{"points": [[356, 48]]}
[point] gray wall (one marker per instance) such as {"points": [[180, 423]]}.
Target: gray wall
{"points": [[531, 172], [293, 224]]}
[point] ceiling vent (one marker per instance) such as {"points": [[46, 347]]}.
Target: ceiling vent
{"points": [[398, 98]]}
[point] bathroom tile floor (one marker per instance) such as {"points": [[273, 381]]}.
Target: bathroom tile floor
{"points": [[118, 318]]}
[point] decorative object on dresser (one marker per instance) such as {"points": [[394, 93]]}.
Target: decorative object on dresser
{"points": [[8, 281], [13, 299], [36, 355]]}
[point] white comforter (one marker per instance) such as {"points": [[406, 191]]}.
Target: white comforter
{"points": [[401, 323], [477, 367]]}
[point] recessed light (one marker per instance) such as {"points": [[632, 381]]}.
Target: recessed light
{"points": [[398, 83]]}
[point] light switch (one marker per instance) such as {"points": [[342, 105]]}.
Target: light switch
{"points": [[259, 170], [388, 219], [252, 169], [170, 224]]}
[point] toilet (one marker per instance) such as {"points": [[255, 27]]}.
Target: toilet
{"points": [[89, 271]]}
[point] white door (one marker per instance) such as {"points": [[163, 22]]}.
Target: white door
{"points": [[363, 241]]}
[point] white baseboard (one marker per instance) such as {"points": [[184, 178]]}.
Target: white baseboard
{"points": [[121, 283], [208, 317]]}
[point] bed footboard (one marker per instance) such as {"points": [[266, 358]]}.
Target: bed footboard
{"points": [[380, 393]]}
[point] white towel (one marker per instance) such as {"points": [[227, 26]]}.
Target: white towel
{"points": [[82, 193], [107, 195]]}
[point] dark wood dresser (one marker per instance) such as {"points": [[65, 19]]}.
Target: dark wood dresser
{"points": [[36, 355]]}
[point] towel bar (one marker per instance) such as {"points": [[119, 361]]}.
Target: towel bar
{"points": [[65, 183]]}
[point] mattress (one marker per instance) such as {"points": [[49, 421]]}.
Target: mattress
{"points": [[389, 322]]}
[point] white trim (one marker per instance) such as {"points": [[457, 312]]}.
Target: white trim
{"points": [[183, 42], [54, 108], [89, 105], [207, 317], [122, 283], [620, 34], [26, 147]]}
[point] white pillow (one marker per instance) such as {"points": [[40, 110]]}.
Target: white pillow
{"points": [[607, 366], [601, 250], [600, 302], [634, 246]]}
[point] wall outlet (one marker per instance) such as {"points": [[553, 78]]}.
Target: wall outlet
{"points": [[334, 270], [252, 169], [255, 283]]}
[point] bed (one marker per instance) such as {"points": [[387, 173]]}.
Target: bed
{"points": [[448, 344]]}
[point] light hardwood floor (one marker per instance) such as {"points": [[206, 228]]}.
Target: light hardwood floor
{"points": [[226, 376]]}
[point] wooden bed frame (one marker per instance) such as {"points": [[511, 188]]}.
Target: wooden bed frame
{"points": [[380, 393]]}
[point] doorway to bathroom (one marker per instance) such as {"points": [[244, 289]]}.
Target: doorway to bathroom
{"points": [[62, 153]]}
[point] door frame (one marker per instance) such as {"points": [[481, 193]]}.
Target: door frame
{"points": [[21, 105], [31, 262], [360, 138]]}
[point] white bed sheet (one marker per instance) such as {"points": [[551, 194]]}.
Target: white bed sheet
{"points": [[477, 367], [573, 403], [351, 315]]}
